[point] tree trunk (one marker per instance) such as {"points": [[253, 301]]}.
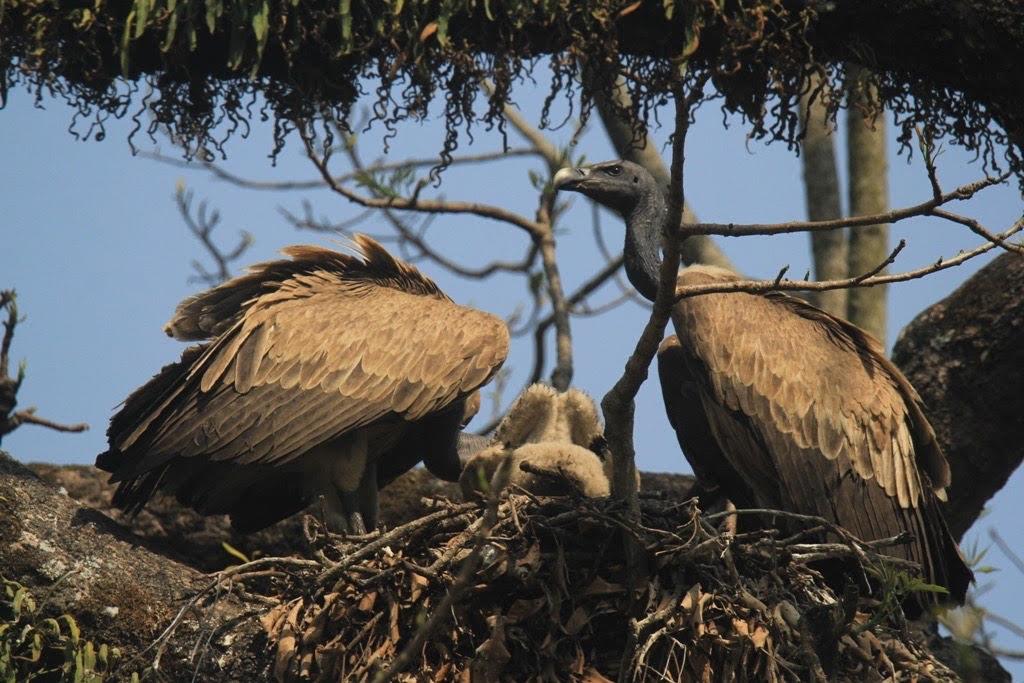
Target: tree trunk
{"points": [[869, 246], [821, 189], [119, 591], [965, 356]]}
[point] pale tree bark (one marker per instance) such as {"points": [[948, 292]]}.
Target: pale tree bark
{"points": [[869, 194], [693, 249], [821, 190]]}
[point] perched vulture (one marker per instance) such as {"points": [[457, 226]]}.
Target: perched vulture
{"points": [[781, 405], [322, 377], [556, 434]]}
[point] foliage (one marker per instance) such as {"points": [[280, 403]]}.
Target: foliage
{"points": [[199, 64], [37, 647]]}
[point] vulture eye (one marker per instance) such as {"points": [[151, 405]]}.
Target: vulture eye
{"points": [[614, 170]]}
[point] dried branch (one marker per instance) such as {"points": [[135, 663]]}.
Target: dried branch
{"points": [[316, 184], [462, 579], [925, 208], [561, 374], [413, 203], [202, 226], [864, 280], [617, 404], [9, 386]]}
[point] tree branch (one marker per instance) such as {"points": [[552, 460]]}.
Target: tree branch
{"points": [[414, 203], [864, 280], [923, 209]]}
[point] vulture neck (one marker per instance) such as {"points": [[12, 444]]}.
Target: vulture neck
{"points": [[642, 255]]}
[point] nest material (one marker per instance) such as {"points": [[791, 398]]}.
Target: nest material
{"points": [[537, 589]]}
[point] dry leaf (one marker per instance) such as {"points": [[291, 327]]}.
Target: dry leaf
{"points": [[428, 30], [367, 601], [759, 637], [576, 622], [601, 587], [592, 675], [418, 583], [629, 9]]}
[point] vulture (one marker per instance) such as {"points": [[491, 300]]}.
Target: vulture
{"points": [[779, 405], [320, 377], [554, 432]]}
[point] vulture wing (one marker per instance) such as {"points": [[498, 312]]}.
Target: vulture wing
{"points": [[316, 347], [807, 410]]}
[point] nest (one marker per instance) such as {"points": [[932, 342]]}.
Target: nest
{"points": [[530, 588]]}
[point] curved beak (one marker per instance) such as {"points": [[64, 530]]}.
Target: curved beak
{"points": [[569, 178]]}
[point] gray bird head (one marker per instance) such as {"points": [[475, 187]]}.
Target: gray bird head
{"points": [[619, 185]]}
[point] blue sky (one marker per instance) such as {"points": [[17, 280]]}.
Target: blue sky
{"points": [[100, 257]]}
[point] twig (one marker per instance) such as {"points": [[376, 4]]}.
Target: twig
{"points": [[28, 416], [223, 174], [925, 208], [396, 534], [762, 286], [469, 567], [414, 203]]}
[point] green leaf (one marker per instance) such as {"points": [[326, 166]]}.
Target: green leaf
{"points": [[345, 18], [142, 7], [126, 38], [397, 8], [72, 627], [172, 29], [235, 552], [214, 10], [260, 27]]}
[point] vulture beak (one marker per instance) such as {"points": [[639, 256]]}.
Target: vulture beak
{"points": [[570, 178]]}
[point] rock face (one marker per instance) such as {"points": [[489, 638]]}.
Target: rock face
{"points": [[965, 356]]}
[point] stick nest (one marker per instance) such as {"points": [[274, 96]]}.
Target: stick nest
{"points": [[537, 589]]}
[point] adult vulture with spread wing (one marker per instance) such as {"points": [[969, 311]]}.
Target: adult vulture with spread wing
{"points": [[321, 377], [781, 405]]}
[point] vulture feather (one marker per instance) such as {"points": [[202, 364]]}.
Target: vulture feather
{"points": [[780, 405], [557, 434], [319, 377]]}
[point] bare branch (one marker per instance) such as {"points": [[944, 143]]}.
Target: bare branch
{"points": [[316, 184], [202, 227], [618, 402], [28, 416], [923, 209], [978, 229], [864, 280], [414, 203]]}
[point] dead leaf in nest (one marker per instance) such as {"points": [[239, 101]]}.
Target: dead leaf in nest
{"points": [[286, 638], [740, 626], [367, 601], [592, 675], [417, 584], [492, 656], [601, 587], [394, 632], [577, 621], [529, 563], [759, 637], [524, 609]]}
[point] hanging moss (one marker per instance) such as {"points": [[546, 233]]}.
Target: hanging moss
{"points": [[196, 66]]}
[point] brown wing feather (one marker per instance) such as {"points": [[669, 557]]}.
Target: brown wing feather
{"points": [[808, 411], [317, 354]]}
